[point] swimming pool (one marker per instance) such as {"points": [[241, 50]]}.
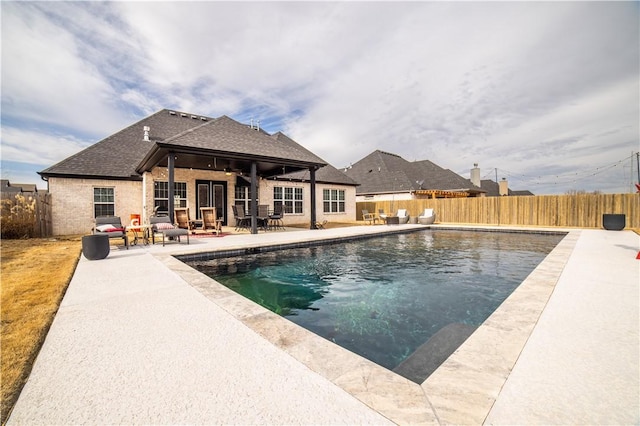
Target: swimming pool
{"points": [[383, 297]]}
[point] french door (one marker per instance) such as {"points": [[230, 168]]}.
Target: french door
{"points": [[211, 193]]}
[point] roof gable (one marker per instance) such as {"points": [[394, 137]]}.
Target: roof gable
{"points": [[226, 135], [384, 172], [120, 155]]}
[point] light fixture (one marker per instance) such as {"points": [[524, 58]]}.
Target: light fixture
{"points": [[227, 171]]}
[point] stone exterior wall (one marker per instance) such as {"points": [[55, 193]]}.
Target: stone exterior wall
{"points": [[73, 211]]}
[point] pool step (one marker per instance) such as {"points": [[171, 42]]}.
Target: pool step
{"points": [[428, 357]]}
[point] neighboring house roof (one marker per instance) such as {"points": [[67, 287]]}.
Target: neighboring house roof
{"points": [[493, 189], [7, 187], [26, 187], [125, 154], [382, 172]]}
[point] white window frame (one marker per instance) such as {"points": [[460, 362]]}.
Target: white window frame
{"points": [[104, 199], [179, 201], [333, 200], [290, 197]]}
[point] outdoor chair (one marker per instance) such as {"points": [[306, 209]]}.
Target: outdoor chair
{"points": [[427, 217], [210, 219], [275, 219], [382, 216], [182, 218], [162, 225], [242, 221], [112, 227], [403, 216], [369, 217], [263, 216]]}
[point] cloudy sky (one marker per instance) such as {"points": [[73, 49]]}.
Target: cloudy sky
{"points": [[546, 93]]}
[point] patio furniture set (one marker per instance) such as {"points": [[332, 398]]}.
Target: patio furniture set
{"points": [[267, 220], [401, 217]]}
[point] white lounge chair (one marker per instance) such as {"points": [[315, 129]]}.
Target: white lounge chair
{"points": [[403, 216], [427, 217]]}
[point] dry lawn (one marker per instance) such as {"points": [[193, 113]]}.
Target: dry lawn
{"points": [[35, 274]]}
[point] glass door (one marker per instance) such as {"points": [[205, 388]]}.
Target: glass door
{"points": [[212, 194]]}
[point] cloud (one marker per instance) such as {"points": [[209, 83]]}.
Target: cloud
{"points": [[45, 148], [521, 86]]}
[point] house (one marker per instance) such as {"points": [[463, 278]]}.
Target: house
{"points": [[384, 176], [175, 159]]}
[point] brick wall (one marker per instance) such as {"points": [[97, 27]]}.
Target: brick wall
{"points": [[72, 199], [72, 202]]}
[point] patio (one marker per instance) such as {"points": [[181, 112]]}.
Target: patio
{"points": [[141, 338]]}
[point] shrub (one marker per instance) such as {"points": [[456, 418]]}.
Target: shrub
{"points": [[18, 217]]}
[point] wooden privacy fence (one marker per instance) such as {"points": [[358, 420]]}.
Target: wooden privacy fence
{"points": [[25, 215], [582, 210]]}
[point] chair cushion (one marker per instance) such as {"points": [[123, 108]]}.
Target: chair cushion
{"points": [[164, 226], [105, 228]]}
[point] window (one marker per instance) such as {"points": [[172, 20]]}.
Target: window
{"points": [[103, 202], [290, 198], [161, 195], [243, 196], [333, 200]]}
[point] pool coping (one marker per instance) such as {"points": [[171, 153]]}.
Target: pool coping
{"points": [[462, 390]]}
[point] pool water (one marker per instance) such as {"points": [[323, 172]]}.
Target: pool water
{"points": [[383, 297]]}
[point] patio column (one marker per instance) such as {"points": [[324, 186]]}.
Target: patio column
{"points": [[312, 179], [170, 166], [253, 202]]}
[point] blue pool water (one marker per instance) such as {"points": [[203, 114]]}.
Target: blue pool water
{"points": [[383, 297]]}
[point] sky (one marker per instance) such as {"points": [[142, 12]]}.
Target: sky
{"points": [[544, 94]]}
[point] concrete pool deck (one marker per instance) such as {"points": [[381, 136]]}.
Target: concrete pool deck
{"points": [[141, 338]]}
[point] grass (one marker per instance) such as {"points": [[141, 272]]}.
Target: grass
{"points": [[35, 274]]}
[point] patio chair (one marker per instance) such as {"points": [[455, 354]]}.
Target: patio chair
{"points": [[403, 216], [369, 217], [182, 218], [427, 217], [162, 225], [112, 227], [210, 219], [382, 216], [275, 219], [263, 216], [242, 221]]}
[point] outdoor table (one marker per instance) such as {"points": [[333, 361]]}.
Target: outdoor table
{"points": [[140, 232]]}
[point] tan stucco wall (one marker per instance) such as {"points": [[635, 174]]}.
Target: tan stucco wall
{"points": [[72, 199]]}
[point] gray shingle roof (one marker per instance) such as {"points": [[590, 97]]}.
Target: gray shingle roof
{"points": [[383, 172], [227, 135], [120, 155], [326, 174]]}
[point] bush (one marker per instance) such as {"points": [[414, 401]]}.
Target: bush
{"points": [[18, 217]]}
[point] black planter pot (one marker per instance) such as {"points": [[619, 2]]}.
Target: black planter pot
{"points": [[614, 222], [95, 247]]}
